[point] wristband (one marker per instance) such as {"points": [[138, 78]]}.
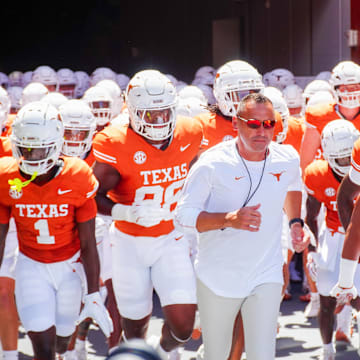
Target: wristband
{"points": [[347, 272], [296, 220]]}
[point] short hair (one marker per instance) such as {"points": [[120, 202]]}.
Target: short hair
{"points": [[257, 98]]}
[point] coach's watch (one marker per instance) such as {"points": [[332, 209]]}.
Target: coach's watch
{"points": [[296, 220]]}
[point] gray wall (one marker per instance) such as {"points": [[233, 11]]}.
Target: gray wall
{"points": [[305, 36]]}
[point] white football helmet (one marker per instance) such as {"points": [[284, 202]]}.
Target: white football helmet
{"points": [[323, 75], [172, 78], [207, 79], [266, 78], [101, 73], [122, 80], [4, 105], [100, 102], [314, 86], [233, 81], [208, 92], [114, 90], [15, 93], [191, 107], [279, 105], [35, 91], [191, 91], [272, 90], [15, 78], [280, 78], [67, 82], [151, 100], [47, 76], [180, 85], [37, 137], [26, 78], [79, 127], [4, 80], [337, 141], [55, 98], [346, 73], [293, 96], [204, 71], [83, 83], [320, 97]]}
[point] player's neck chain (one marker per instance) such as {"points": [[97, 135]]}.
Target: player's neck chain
{"points": [[249, 194]]}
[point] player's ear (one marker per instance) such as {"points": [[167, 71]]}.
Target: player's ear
{"points": [[235, 122]]}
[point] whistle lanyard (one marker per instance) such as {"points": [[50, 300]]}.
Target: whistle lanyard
{"points": [[249, 194]]}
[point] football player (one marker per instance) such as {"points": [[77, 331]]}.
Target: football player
{"points": [[79, 130], [345, 82], [233, 81], [9, 322], [100, 102], [141, 168], [322, 179], [67, 82], [47, 76], [52, 201]]}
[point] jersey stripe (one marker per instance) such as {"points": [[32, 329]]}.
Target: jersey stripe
{"points": [[355, 165], [105, 157]]}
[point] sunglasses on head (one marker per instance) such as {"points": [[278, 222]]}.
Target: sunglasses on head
{"points": [[256, 124]]}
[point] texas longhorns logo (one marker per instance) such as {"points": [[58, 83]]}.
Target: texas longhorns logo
{"points": [[277, 175]]}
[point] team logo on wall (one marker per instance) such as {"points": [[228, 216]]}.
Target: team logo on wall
{"points": [[330, 191], [139, 157], [15, 194], [227, 138]]}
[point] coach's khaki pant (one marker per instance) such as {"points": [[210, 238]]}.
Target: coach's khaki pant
{"points": [[259, 311]]}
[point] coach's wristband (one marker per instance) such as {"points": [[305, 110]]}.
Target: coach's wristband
{"points": [[296, 220]]}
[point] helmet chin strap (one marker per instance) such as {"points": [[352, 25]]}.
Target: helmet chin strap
{"points": [[17, 185]]}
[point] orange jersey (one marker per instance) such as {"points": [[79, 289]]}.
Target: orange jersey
{"points": [[46, 216], [5, 146], [216, 129], [6, 129], [295, 132], [90, 158], [355, 156], [321, 183], [318, 116], [148, 174]]}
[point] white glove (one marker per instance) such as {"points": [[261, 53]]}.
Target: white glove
{"points": [[343, 295], [141, 214], [95, 309], [312, 265]]}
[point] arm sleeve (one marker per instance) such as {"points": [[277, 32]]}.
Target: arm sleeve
{"points": [[194, 196], [103, 149], [308, 182], [86, 211]]}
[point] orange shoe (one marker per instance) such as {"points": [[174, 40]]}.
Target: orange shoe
{"points": [[196, 334], [287, 296], [305, 297], [341, 337]]}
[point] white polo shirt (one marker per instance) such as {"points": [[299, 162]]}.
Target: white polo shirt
{"points": [[233, 262]]}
